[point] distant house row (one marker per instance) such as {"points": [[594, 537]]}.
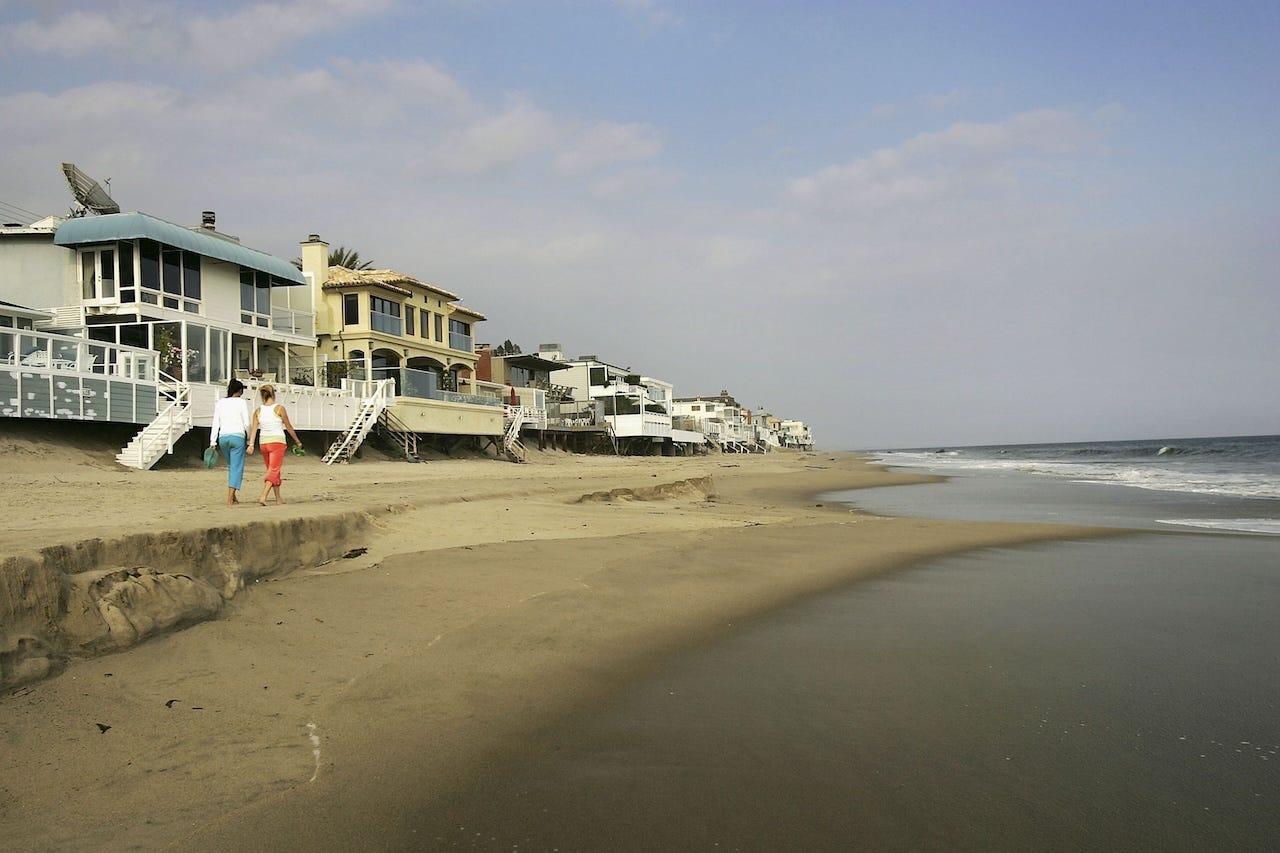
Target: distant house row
{"points": [[127, 318]]}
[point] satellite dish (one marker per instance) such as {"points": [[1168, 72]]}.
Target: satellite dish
{"points": [[87, 191]]}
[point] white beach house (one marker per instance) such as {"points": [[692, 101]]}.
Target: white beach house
{"points": [[720, 418], [145, 321], [635, 409]]}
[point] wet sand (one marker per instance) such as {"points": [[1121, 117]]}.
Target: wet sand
{"points": [[326, 705]]}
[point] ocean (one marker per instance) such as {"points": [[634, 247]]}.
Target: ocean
{"points": [[1112, 694], [1230, 484]]}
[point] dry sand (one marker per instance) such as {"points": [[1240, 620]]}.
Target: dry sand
{"points": [[325, 703]]}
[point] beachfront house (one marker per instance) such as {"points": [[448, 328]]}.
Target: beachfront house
{"points": [[384, 325], [146, 321], [720, 418], [635, 410], [767, 429], [523, 379], [796, 434]]}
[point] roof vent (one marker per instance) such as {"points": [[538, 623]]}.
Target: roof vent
{"points": [[207, 219]]}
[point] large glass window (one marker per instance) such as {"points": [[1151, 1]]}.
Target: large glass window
{"points": [[196, 357], [171, 276], [255, 297], [166, 276], [191, 282], [459, 335], [128, 293], [599, 376], [384, 316], [149, 269], [219, 343]]}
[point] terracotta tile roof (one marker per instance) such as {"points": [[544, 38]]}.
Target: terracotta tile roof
{"points": [[389, 279]]}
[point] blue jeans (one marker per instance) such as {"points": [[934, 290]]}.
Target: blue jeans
{"points": [[233, 448]]}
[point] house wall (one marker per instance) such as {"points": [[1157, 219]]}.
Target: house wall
{"points": [[485, 364], [73, 396], [435, 416], [220, 292], [578, 377], [35, 273]]}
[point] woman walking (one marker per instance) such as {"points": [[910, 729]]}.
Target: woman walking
{"points": [[270, 423], [230, 432]]}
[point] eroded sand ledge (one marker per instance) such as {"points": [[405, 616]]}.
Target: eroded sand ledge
{"points": [[101, 595], [494, 601]]}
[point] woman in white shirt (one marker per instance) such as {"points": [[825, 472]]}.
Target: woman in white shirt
{"points": [[230, 433], [270, 423]]}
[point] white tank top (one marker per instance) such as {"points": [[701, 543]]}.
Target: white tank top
{"points": [[270, 425]]}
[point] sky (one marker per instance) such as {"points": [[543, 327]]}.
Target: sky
{"points": [[908, 224]]}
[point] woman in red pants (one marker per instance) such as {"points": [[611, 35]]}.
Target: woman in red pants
{"points": [[269, 425]]}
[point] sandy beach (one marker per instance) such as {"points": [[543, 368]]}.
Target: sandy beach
{"points": [[392, 630]]}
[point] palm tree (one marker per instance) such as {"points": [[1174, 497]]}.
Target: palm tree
{"points": [[342, 257], [349, 258]]}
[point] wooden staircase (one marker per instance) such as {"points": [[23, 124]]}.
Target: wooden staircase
{"points": [[366, 418], [158, 437], [399, 434], [511, 443]]}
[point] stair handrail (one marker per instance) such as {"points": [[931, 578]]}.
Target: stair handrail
{"points": [[179, 405], [403, 434], [382, 396]]}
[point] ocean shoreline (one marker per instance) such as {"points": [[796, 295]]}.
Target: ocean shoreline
{"points": [[526, 606]]}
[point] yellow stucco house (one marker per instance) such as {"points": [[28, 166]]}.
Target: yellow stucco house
{"points": [[384, 324]]}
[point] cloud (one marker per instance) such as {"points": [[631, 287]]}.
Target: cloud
{"points": [[606, 143], [162, 33], [964, 159], [497, 141]]}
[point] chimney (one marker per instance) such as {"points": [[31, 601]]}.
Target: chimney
{"points": [[315, 261], [207, 219]]}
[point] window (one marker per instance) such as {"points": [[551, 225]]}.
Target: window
{"points": [[171, 276], [166, 276], [128, 293], [351, 309], [255, 297], [98, 273], [459, 335], [191, 282], [219, 347], [408, 319], [599, 376], [695, 408], [424, 328], [440, 328], [384, 316], [149, 267]]}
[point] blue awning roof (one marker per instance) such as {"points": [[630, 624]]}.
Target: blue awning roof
{"points": [[134, 226]]}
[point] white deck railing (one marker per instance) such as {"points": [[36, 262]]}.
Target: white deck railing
{"points": [[25, 348]]}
